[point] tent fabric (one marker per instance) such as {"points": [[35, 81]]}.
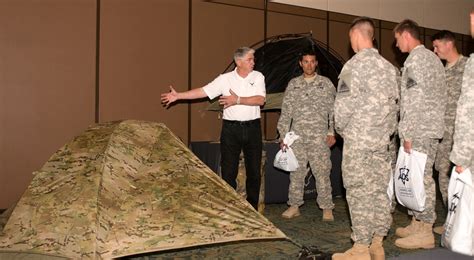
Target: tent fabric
{"points": [[278, 60], [126, 188]]}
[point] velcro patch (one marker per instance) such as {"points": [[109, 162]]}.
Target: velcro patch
{"points": [[342, 87], [411, 83]]}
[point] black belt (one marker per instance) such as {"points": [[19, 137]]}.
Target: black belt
{"points": [[242, 123]]}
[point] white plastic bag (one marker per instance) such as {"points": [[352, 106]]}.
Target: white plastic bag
{"points": [[408, 178], [290, 138], [286, 159], [459, 226]]}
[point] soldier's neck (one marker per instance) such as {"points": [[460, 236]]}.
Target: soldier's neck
{"points": [[452, 59]]}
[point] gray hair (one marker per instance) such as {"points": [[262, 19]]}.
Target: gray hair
{"points": [[241, 52]]}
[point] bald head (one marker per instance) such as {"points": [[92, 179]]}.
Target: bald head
{"points": [[365, 26]]}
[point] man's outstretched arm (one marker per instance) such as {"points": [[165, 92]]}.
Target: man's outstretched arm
{"points": [[172, 96]]}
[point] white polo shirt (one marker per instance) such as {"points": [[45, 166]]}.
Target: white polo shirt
{"points": [[252, 85]]}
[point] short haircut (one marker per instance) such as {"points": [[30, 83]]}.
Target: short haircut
{"points": [[444, 35], [241, 52], [409, 26], [365, 25], [309, 52]]}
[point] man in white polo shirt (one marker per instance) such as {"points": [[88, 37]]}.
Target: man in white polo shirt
{"points": [[242, 92]]}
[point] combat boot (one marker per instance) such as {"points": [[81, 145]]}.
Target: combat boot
{"points": [[376, 249], [327, 215], [422, 238], [291, 212], [439, 230], [408, 230], [357, 252]]}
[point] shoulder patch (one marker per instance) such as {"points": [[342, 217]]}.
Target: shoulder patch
{"points": [[342, 87], [344, 84], [410, 81]]}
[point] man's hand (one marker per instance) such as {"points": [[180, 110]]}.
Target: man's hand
{"points": [[228, 101], [407, 146], [330, 140], [170, 97], [459, 169]]}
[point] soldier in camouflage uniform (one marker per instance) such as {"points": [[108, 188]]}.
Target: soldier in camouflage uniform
{"points": [[462, 154], [422, 110], [366, 116], [444, 43], [308, 108]]}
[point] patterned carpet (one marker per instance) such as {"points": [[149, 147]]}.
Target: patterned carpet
{"points": [[306, 230]]}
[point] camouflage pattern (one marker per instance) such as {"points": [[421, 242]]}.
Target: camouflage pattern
{"points": [[423, 96], [366, 81], [309, 108], [429, 147], [366, 116], [463, 147], [393, 152], [317, 153], [125, 188], [394, 145], [422, 110], [442, 163], [422, 114]]}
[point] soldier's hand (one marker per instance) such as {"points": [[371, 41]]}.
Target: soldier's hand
{"points": [[459, 169], [283, 146], [407, 146], [330, 140]]}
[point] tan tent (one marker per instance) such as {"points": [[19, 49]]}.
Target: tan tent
{"points": [[125, 188]]}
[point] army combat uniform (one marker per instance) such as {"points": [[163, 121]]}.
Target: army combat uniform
{"points": [[422, 110], [308, 107], [442, 164], [366, 116], [463, 147]]}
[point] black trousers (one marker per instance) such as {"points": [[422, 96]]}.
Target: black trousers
{"points": [[246, 136]]}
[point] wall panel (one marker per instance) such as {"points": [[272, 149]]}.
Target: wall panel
{"points": [[143, 49], [339, 39], [389, 49], [47, 70]]}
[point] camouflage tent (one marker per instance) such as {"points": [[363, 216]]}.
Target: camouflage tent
{"points": [[125, 188]]}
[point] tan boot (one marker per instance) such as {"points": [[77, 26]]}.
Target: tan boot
{"points": [[439, 230], [327, 215], [422, 238], [357, 252], [291, 212], [376, 249], [408, 230]]}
